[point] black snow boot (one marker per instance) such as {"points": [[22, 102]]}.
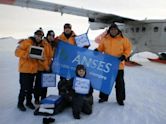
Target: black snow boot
{"points": [[48, 120], [21, 107], [30, 105], [76, 116], [121, 103], [102, 100]]}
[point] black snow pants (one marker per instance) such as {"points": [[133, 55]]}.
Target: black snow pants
{"points": [[39, 91], [82, 103], [26, 87], [119, 88]]}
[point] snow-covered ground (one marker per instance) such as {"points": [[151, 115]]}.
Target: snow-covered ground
{"points": [[145, 95]]}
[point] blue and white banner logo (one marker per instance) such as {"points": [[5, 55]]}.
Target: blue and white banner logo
{"points": [[101, 68]]}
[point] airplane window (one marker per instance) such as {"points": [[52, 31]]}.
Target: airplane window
{"points": [[137, 29], [132, 29], [155, 29], [143, 29], [165, 29], [126, 30]]}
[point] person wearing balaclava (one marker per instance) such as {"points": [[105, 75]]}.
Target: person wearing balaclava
{"points": [[115, 44], [52, 39]]}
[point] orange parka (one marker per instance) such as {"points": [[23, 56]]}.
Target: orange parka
{"points": [[116, 46], [52, 45], [27, 64], [70, 40], [48, 54]]}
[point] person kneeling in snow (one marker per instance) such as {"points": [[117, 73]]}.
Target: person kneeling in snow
{"points": [[82, 98], [73, 95]]}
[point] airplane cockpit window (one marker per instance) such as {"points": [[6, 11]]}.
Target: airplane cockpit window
{"points": [[137, 29], [155, 29], [143, 29]]}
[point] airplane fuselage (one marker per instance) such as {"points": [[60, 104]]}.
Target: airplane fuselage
{"points": [[148, 36]]}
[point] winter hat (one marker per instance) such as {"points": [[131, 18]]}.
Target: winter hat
{"points": [[50, 32], [113, 26], [67, 25], [39, 32], [79, 67]]}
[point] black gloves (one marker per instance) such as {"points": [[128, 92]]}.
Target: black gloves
{"points": [[86, 46], [122, 58], [95, 49]]}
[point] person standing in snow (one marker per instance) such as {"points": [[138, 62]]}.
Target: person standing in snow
{"points": [[52, 40], [28, 68], [43, 67], [68, 37], [115, 44]]}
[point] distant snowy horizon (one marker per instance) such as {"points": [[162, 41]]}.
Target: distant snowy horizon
{"points": [[143, 56]]}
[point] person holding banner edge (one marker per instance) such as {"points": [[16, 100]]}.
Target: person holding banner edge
{"points": [[67, 36], [115, 44], [64, 85]]}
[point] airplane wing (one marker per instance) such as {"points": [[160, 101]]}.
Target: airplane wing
{"points": [[100, 18]]}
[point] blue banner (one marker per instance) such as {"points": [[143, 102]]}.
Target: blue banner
{"points": [[101, 68]]}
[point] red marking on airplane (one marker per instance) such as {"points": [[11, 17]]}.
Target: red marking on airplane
{"points": [[131, 63], [158, 60], [7, 1]]}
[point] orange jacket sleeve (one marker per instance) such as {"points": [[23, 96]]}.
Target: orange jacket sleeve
{"points": [[127, 48], [22, 49]]}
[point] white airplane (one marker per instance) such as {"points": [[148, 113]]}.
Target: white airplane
{"points": [[146, 35]]}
